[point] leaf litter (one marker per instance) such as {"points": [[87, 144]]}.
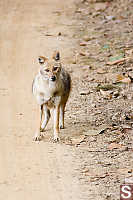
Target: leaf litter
{"points": [[103, 94]]}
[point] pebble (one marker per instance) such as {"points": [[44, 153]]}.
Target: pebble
{"points": [[110, 18]]}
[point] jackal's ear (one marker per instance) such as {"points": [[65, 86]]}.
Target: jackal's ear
{"points": [[42, 59], [56, 56]]}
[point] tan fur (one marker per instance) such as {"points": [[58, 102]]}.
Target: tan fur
{"points": [[51, 87]]}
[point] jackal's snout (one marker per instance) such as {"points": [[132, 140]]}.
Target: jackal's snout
{"points": [[53, 78]]}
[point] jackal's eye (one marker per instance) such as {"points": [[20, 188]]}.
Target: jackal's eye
{"points": [[46, 70], [55, 68]]}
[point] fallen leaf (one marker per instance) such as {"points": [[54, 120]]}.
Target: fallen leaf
{"points": [[127, 130], [82, 53], [120, 77], [124, 171], [74, 61], [86, 67], [123, 79], [105, 87], [85, 170], [99, 176], [100, 6], [114, 146], [106, 94], [106, 46], [129, 179], [87, 38], [78, 11], [115, 58], [83, 44], [116, 94], [126, 80], [101, 71], [118, 61], [129, 52], [110, 18], [84, 92], [48, 34], [100, 130], [78, 140], [92, 132], [131, 117], [95, 14]]}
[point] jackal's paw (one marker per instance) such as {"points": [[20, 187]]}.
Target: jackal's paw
{"points": [[56, 139], [61, 126], [41, 129], [38, 136]]}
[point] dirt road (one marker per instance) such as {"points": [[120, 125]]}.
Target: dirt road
{"points": [[30, 170]]}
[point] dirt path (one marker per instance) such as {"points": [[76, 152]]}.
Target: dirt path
{"points": [[30, 170]]}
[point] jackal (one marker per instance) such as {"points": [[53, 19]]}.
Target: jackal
{"points": [[51, 88]]}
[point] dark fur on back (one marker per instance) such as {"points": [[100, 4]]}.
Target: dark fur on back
{"points": [[66, 81]]}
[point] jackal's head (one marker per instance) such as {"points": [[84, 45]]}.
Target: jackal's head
{"points": [[50, 68]]}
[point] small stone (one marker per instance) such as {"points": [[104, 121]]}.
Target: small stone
{"points": [[86, 38], [86, 67], [82, 44], [100, 6], [115, 94], [129, 180], [101, 71], [59, 34], [84, 92], [82, 53], [74, 62], [110, 18]]}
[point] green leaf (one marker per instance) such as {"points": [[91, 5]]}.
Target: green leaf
{"points": [[116, 57]]}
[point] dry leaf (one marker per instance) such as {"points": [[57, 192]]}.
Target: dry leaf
{"points": [[86, 67], [85, 170], [126, 80], [100, 130], [131, 117], [87, 38], [118, 61], [82, 53], [101, 71], [120, 77], [78, 140], [82, 44], [123, 79], [106, 94], [100, 6], [124, 171], [99, 176], [130, 52], [84, 92], [114, 146], [127, 130], [129, 179]]}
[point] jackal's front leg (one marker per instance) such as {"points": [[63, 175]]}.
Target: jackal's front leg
{"points": [[38, 135], [46, 113], [62, 108], [56, 123]]}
